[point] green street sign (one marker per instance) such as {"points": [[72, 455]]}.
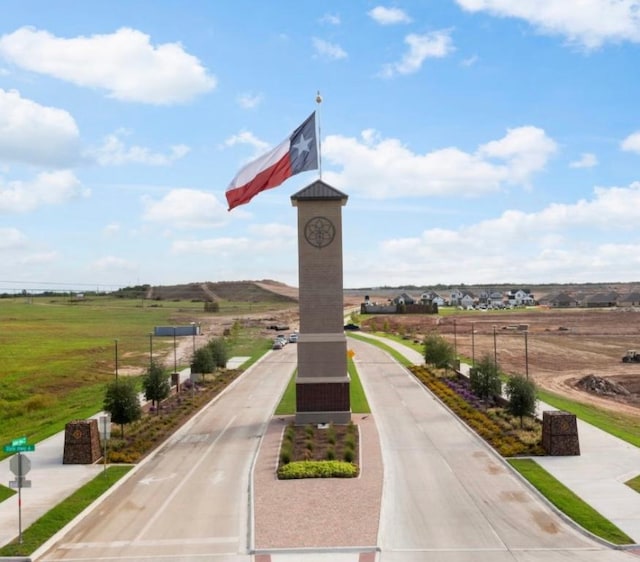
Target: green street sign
{"points": [[19, 441], [18, 448]]}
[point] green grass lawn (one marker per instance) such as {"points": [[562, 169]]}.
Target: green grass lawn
{"points": [[359, 403], [51, 522], [567, 502], [58, 354], [634, 483], [6, 493]]}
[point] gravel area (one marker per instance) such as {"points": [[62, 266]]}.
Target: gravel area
{"points": [[317, 512]]}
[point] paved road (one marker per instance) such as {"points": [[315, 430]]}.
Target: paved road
{"points": [[191, 500], [446, 496]]}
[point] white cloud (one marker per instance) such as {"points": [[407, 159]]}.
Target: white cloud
{"points": [[526, 149], [328, 50], [11, 239], [249, 101], [111, 229], [587, 160], [186, 209], [331, 19], [124, 63], [113, 152], [248, 138], [631, 143], [589, 23], [48, 188], [385, 168], [437, 44], [534, 247], [388, 16], [470, 61], [274, 231], [35, 134]]}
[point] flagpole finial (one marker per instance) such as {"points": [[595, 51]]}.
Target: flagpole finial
{"points": [[318, 98]]}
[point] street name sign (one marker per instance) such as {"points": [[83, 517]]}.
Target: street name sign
{"points": [[18, 448]]}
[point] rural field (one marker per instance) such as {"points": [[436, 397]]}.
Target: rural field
{"points": [[59, 352]]}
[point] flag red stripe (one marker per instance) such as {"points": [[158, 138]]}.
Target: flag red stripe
{"points": [[266, 179]]}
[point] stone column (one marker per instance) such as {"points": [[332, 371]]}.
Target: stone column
{"points": [[322, 383]]}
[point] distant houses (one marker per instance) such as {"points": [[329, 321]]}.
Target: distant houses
{"points": [[489, 298]]}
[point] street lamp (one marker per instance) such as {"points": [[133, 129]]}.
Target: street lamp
{"points": [[193, 334], [526, 353], [175, 357], [116, 342], [473, 344], [150, 348], [455, 339], [495, 349]]}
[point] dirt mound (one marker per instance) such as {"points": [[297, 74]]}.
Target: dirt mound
{"points": [[602, 386]]}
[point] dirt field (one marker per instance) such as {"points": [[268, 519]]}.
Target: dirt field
{"points": [[560, 348]]}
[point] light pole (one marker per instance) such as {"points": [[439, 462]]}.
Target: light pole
{"points": [[495, 349], [175, 357], [193, 334], [473, 344], [150, 348], [455, 339], [116, 342], [526, 353]]}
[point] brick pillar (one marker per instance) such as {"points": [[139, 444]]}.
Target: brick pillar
{"points": [[560, 433], [322, 383]]}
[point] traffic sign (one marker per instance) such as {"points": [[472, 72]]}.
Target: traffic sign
{"points": [[19, 441], [19, 483], [18, 448], [20, 465]]}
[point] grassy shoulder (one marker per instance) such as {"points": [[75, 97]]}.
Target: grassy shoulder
{"points": [[568, 503], [359, 403], [6, 493], [55, 519]]}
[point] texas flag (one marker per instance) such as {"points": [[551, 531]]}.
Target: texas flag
{"points": [[296, 154]]}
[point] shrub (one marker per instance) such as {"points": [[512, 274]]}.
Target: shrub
{"points": [[485, 379], [317, 469], [437, 351], [522, 397]]}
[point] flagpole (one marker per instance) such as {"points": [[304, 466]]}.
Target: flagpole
{"points": [[319, 101]]}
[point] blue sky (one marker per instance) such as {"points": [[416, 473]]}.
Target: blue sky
{"points": [[479, 141]]}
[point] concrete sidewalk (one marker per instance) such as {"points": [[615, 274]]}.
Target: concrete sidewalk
{"points": [[597, 475]]}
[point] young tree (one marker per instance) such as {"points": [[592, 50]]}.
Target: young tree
{"points": [[218, 347], [521, 393], [485, 378], [203, 361], [121, 401], [437, 351], [155, 384]]}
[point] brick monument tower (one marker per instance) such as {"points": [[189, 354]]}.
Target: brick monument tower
{"points": [[322, 382]]}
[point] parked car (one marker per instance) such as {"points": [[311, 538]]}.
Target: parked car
{"points": [[293, 338], [351, 327], [277, 344]]}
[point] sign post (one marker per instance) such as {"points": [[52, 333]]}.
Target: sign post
{"points": [[20, 465]]}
